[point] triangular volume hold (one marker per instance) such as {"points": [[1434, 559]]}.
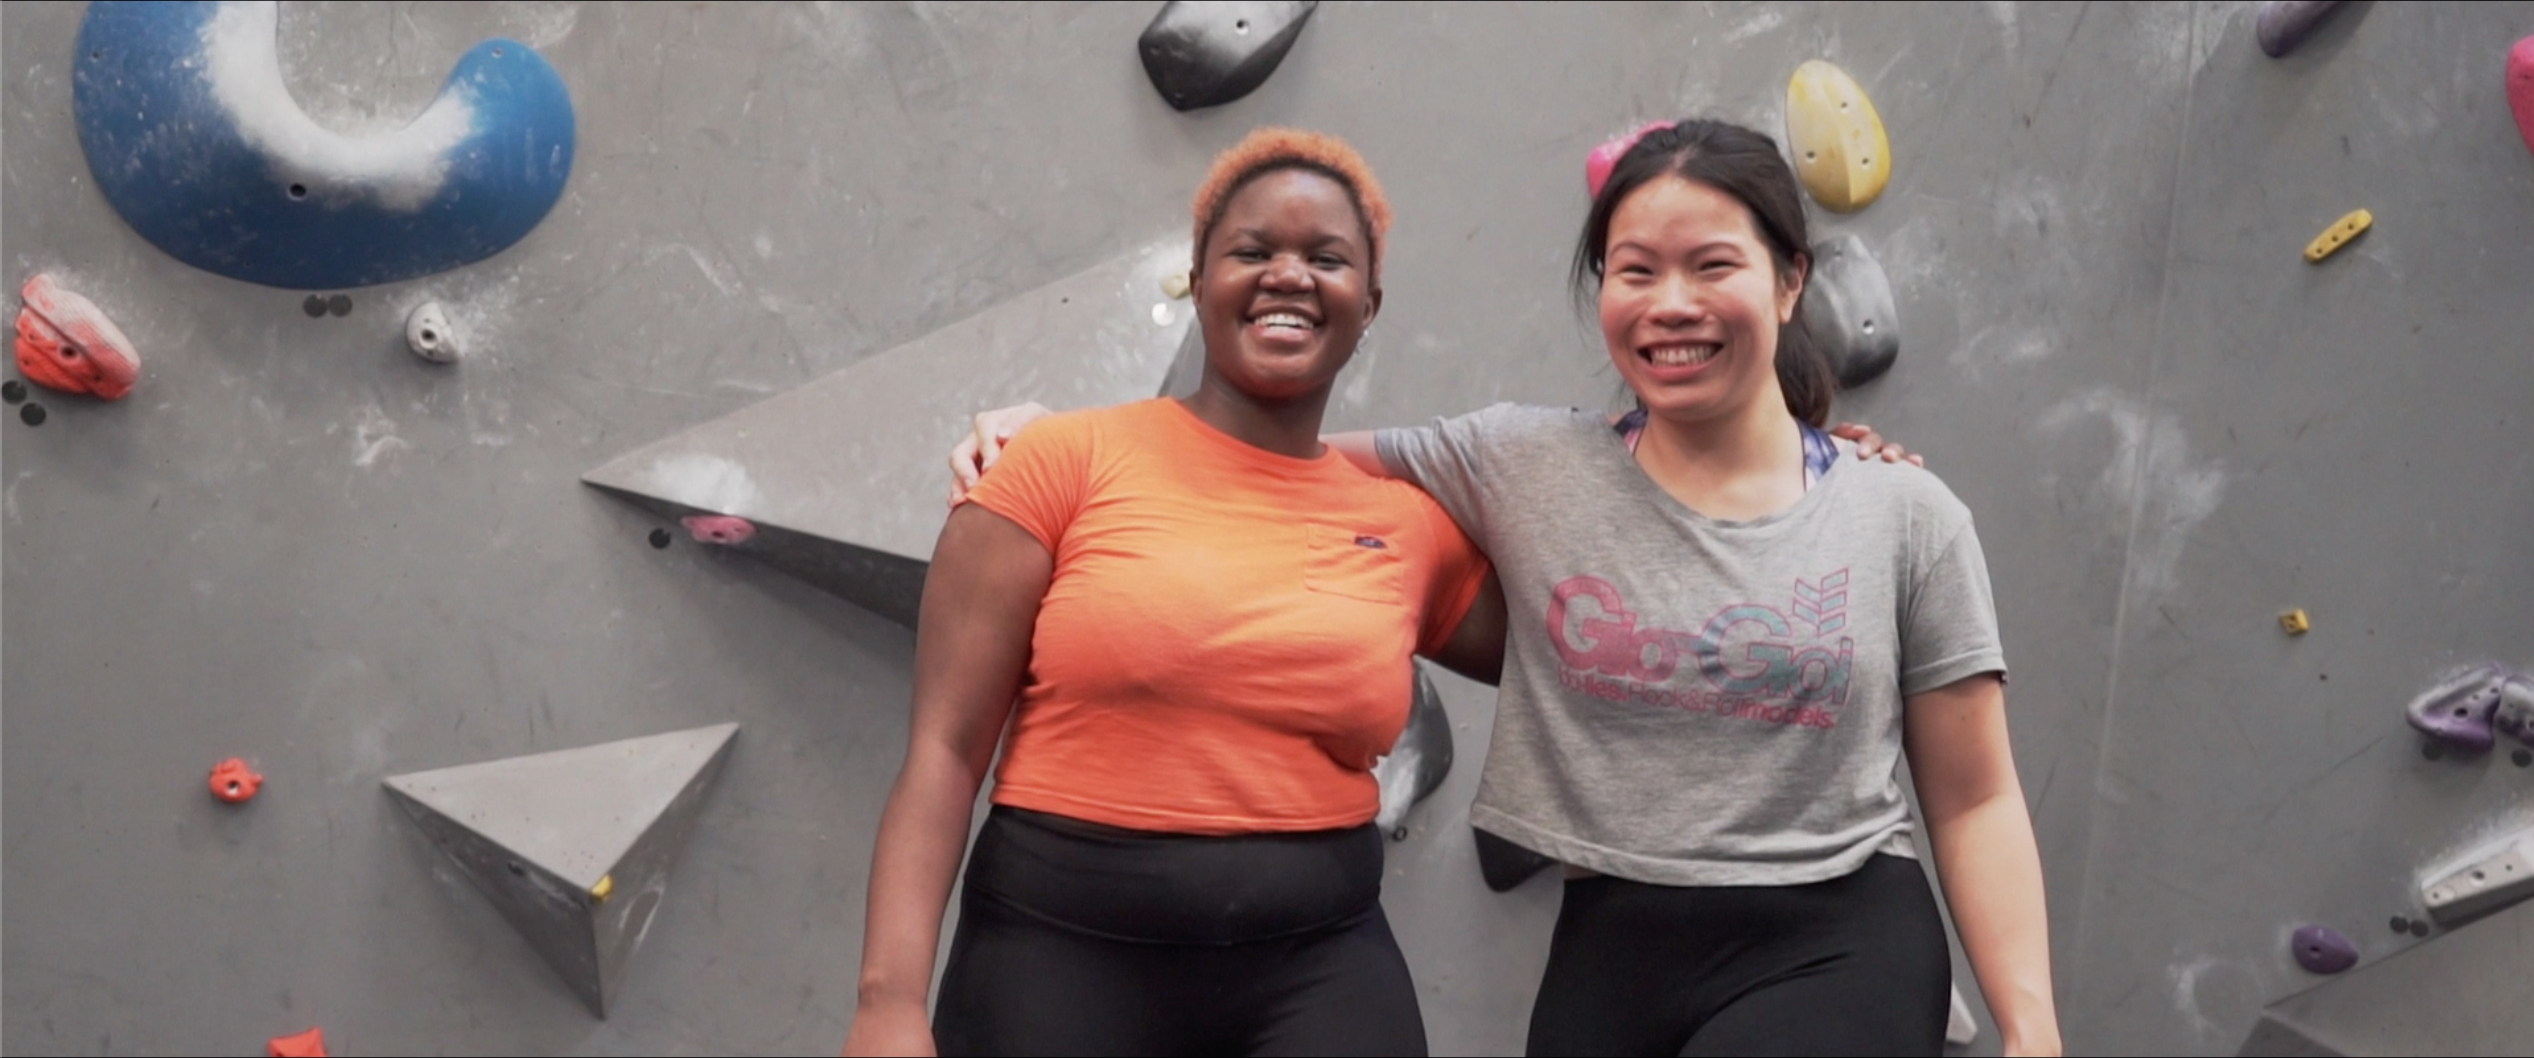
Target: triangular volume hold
{"points": [[841, 481], [573, 847]]}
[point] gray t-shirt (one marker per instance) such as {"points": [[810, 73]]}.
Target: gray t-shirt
{"points": [[1688, 701]]}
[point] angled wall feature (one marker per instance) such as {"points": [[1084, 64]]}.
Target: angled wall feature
{"points": [[1203, 55], [194, 138], [574, 846], [843, 478], [2462, 993]]}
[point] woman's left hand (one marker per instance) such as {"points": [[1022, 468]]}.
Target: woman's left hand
{"points": [[1871, 445]]}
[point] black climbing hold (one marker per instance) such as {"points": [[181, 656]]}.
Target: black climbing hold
{"points": [[2401, 924], [1504, 864], [12, 391], [660, 538], [32, 414], [1848, 310], [1209, 54], [2281, 25], [314, 306], [2419, 927], [340, 304]]}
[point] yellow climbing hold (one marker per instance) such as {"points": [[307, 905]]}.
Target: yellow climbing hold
{"points": [[1841, 153], [2338, 235], [606, 884], [2296, 622], [1175, 285]]}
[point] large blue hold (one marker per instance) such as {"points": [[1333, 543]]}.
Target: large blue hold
{"points": [[196, 142]]}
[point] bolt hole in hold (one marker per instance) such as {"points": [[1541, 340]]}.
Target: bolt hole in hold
{"points": [[1869, 326], [32, 415], [298, 191], [1241, 26], [12, 391], [660, 538]]}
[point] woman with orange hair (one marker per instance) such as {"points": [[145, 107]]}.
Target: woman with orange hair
{"points": [[1198, 621]]}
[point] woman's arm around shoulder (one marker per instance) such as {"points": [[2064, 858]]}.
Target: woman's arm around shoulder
{"points": [[972, 645], [1982, 838]]}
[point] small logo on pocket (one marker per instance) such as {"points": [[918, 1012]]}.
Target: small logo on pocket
{"points": [[1373, 542]]}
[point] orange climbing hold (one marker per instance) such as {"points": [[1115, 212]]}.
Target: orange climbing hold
{"points": [[66, 342], [234, 782], [309, 1044]]}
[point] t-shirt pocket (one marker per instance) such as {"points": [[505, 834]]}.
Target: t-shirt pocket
{"points": [[1354, 564]]}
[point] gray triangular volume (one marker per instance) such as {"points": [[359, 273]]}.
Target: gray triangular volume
{"points": [[574, 846], [843, 478], [2460, 993]]}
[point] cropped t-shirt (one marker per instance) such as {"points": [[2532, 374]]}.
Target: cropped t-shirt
{"points": [[1225, 646]]}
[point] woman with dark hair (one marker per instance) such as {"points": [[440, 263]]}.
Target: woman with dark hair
{"points": [[1206, 617], [1724, 638]]}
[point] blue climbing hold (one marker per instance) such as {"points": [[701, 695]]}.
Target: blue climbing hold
{"points": [[195, 140]]}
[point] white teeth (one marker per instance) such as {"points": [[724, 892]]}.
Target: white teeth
{"points": [[1282, 319], [1681, 355]]}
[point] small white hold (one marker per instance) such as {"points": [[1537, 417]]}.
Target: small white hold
{"points": [[1960, 1028], [428, 334]]}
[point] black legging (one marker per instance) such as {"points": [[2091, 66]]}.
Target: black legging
{"points": [[1853, 965], [1077, 938]]}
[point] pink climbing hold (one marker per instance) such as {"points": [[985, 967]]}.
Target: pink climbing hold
{"points": [[2521, 88], [1604, 158], [719, 528], [66, 342]]}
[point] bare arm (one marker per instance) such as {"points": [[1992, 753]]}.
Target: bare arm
{"points": [[1357, 447], [1477, 648], [972, 646], [1985, 853]]}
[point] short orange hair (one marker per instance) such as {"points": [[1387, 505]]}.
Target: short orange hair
{"points": [[1270, 149]]}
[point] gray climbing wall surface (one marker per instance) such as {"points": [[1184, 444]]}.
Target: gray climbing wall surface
{"points": [[300, 544]]}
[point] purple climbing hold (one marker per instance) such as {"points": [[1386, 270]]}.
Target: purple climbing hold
{"points": [[2515, 715], [2322, 950], [2457, 710], [2281, 25]]}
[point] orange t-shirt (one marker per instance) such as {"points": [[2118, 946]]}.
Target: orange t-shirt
{"points": [[1225, 645]]}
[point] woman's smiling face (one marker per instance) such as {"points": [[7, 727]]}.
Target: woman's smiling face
{"points": [[1284, 285], [1691, 301]]}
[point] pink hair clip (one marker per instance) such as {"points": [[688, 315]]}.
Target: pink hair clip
{"points": [[1598, 164]]}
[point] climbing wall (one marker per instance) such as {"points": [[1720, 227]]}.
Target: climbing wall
{"points": [[297, 543]]}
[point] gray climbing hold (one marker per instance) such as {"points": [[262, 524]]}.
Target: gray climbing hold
{"points": [[574, 846], [2495, 875], [428, 334], [1209, 54], [2460, 993], [842, 477], [1848, 310], [1416, 766], [2457, 710], [2515, 715], [2282, 25], [2322, 949]]}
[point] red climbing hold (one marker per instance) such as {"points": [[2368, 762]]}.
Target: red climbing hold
{"points": [[2521, 88], [719, 528], [66, 342], [1604, 158], [309, 1044], [234, 782]]}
